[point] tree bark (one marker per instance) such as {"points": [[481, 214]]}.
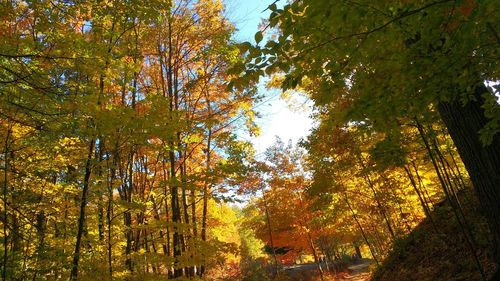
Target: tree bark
{"points": [[481, 161], [5, 188], [426, 209], [315, 255], [206, 190], [127, 191], [452, 201], [109, 212], [83, 205], [358, 251], [176, 216]]}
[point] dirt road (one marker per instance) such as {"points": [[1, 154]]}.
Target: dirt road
{"points": [[307, 272]]}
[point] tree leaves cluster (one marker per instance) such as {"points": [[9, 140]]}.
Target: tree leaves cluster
{"points": [[118, 132], [396, 87]]}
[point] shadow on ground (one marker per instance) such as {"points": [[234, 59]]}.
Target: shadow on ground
{"points": [[358, 271]]}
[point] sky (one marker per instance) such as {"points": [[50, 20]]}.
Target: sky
{"points": [[277, 119]]}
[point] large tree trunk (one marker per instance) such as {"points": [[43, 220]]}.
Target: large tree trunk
{"points": [[482, 162]]}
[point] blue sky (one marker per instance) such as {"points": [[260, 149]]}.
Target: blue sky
{"points": [[277, 118]]}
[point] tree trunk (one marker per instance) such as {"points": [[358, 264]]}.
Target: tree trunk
{"points": [[381, 208], [452, 201], [127, 188], [206, 190], [109, 211], [358, 251], [83, 205], [176, 216], [426, 209], [100, 209], [482, 162], [270, 231], [5, 213], [315, 255], [360, 228]]}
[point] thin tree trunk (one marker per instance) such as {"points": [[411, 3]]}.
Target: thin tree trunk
{"points": [[83, 205], [174, 190], [426, 209], [166, 249], [381, 208], [379, 204], [455, 164], [109, 214], [360, 228], [5, 188], [270, 232], [127, 187], [189, 270], [176, 216], [315, 255], [100, 208], [358, 251], [450, 200], [206, 191], [425, 192]]}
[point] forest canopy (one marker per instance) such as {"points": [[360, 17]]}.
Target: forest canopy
{"points": [[125, 150]]}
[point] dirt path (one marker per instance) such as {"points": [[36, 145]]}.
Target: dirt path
{"points": [[308, 272], [358, 272]]}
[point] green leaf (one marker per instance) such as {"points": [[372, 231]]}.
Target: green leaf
{"points": [[258, 37]]}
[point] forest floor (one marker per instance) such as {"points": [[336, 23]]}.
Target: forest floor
{"points": [[358, 271], [431, 252], [440, 251]]}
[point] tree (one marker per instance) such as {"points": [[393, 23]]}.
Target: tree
{"points": [[361, 60], [284, 220], [115, 121]]}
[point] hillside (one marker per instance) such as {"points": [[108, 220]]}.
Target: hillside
{"points": [[443, 255]]}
